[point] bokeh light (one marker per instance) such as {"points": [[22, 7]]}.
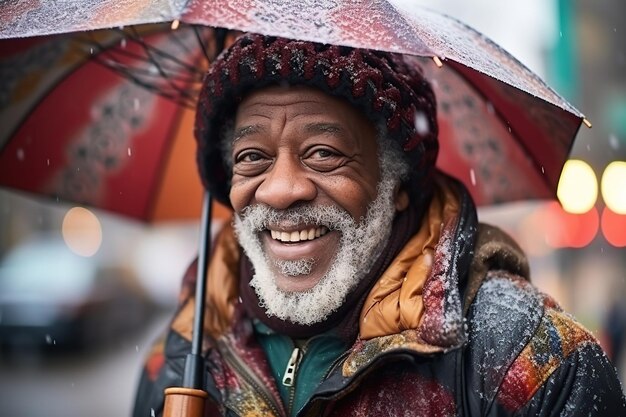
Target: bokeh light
{"points": [[569, 230], [614, 227], [613, 186], [578, 187], [81, 231]]}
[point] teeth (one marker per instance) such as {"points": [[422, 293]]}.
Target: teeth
{"points": [[297, 236]]}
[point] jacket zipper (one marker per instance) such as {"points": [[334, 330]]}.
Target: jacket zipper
{"points": [[290, 372], [252, 379], [289, 379]]}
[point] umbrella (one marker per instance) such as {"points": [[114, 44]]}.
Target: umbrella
{"points": [[75, 130], [504, 132]]}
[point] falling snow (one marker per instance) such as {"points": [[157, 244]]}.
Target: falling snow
{"points": [[613, 141], [421, 123]]}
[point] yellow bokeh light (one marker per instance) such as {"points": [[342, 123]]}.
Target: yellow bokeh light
{"points": [[613, 186], [82, 231], [578, 187]]}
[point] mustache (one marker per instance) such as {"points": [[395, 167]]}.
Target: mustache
{"points": [[258, 217]]}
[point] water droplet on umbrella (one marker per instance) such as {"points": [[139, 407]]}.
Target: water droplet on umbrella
{"points": [[473, 176], [20, 154], [421, 123]]}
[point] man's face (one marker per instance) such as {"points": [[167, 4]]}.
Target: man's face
{"points": [[300, 147]]}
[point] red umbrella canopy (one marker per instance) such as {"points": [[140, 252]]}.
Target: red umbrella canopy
{"points": [[504, 132], [75, 130]]}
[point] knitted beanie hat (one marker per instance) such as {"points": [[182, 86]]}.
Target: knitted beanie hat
{"points": [[387, 88]]}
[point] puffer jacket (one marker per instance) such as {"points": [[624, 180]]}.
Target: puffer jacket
{"points": [[472, 338]]}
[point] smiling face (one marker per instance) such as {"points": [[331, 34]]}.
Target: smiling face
{"points": [[305, 176], [299, 146]]}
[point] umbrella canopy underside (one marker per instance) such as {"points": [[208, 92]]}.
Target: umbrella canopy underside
{"points": [[75, 130]]}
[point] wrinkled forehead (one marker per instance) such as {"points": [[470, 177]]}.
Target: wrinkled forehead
{"points": [[305, 109]]}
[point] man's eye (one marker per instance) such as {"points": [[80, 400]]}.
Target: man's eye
{"points": [[323, 153], [324, 159], [249, 157]]}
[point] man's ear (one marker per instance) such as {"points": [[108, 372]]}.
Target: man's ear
{"points": [[401, 198]]}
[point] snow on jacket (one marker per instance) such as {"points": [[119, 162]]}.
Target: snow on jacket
{"points": [[469, 337]]}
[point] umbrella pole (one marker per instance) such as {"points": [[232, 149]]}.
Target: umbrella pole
{"points": [[188, 400]]}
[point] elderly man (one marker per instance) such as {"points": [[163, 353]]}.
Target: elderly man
{"points": [[355, 279]]}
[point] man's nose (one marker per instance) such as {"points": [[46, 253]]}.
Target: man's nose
{"points": [[286, 184]]}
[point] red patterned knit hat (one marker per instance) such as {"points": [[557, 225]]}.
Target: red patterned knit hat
{"points": [[388, 88]]}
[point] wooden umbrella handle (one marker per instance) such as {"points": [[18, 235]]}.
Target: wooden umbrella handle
{"points": [[184, 402]]}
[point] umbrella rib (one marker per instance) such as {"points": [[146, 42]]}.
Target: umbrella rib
{"points": [[182, 91], [176, 40], [200, 42], [151, 49], [133, 55], [185, 100], [146, 72]]}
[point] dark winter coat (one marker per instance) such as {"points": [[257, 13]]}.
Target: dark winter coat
{"points": [[488, 343]]}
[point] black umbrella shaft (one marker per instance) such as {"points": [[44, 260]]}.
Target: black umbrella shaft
{"points": [[194, 364]]}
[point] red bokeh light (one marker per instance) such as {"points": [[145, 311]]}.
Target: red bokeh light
{"points": [[567, 230], [614, 227]]}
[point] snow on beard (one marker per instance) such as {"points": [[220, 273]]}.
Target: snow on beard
{"points": [[359, 247]]}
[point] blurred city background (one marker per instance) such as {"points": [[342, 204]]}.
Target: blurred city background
{"points": [[100, 271]]}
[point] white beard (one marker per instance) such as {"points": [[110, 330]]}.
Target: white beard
{"points": [[359, 247]]}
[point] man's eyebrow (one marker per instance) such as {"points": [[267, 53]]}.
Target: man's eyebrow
{"points": [[244, 131], [317, 128]]}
